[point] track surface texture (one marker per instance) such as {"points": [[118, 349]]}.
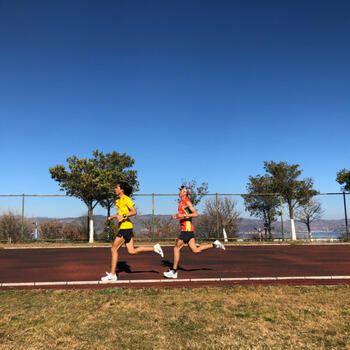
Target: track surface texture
{"points": [[298, 264]]}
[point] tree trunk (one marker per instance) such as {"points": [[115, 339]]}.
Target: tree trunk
{"points": [[291, 216], [225, 234], [91, 224], [265, 224], [270, 233], [309, 231], [293, 234]]}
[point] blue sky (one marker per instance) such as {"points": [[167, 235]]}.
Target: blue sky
{"points": [[204, 90]]}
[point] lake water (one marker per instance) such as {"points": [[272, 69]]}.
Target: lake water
{"points": [[323, 235], [303, 235]]}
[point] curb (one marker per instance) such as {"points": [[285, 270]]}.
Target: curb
{"points": [[118, 282]]}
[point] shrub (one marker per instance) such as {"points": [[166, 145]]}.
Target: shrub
{"points": [[51, 230], [73, 232], [110, 231], [11, 227]]}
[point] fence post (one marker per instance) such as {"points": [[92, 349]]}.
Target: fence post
{"points": [[152, 217], [22, 225], [217, 215], [282, 218], [346, 218]]}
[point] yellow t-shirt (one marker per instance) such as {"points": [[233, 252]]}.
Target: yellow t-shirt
{"points": [[123, 206]]}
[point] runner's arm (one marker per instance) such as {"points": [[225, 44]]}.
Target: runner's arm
{"points": [[193, 210], [132, 212], [193, 213]]}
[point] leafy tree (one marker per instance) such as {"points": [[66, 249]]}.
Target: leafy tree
{"points": [[343, 178], [113, 166], [308, 213], [196, 192], [90, 180], [226, 214], [264, 206], [294, 192]]}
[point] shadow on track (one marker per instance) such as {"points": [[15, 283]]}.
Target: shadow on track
{"points": [[122, 266], [170, 265]]}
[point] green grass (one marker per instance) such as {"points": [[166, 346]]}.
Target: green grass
{"points": [[278, 317]]}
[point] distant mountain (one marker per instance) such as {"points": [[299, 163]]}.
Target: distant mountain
{"points": [[246, 225]]}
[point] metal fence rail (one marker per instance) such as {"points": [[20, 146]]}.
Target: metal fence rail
{"points": [[157, 205]]}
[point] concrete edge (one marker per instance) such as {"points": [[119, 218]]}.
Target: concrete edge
{"points": [[223, 279]]}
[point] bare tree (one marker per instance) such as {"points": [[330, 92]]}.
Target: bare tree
{"points": [[308, 213], [11, 227], [73, 232], [168, 228], [151, 224], [51, 230], [218, 216]]}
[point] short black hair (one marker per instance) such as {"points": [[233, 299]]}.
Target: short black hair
{"points": [[125, 187], [183, 187]]}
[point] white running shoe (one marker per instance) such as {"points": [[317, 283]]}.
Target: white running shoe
{"points": [[109, 277], [170, 274], [218, 244], [158, 249]]}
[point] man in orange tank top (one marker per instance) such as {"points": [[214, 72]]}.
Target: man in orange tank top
{"points": [[186, 211]]}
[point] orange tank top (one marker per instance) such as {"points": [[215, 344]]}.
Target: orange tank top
{"points": [[185, 223]]}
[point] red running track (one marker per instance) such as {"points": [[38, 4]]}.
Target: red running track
{"points": [[89, 264]]}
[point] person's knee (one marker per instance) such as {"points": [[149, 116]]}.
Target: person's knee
{"points": [[131, 251], [195, 250]]}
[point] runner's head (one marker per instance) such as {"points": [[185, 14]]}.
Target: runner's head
{"points": [[123, 188], [184, 191]]}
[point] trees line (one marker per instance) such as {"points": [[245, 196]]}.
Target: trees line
{"points": [[93, 181]]}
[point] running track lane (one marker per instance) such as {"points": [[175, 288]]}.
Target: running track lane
{"points": [[89, 264]]}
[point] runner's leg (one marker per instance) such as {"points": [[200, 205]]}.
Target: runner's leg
{"points": [[118, 242], [132, 250], [178, 246], [195, 249]]}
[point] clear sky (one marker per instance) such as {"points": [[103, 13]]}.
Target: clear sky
{"points": [[204, 90]]}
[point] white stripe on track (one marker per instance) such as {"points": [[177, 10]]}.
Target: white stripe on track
{"points": [[224, 279]]}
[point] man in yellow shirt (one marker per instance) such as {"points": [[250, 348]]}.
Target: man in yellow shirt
{"points": [[125, 209]]}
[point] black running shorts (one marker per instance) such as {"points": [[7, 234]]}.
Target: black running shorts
{"points": [[126, 233], [186, 236]]}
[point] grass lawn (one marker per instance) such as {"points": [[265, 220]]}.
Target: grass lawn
{"points": [[278, 317]]}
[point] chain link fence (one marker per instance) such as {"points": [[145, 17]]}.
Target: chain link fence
{"points": [[224, 216]]}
